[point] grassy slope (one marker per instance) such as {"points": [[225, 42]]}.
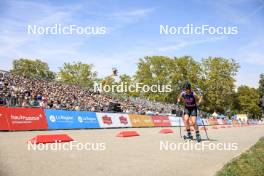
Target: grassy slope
{"points": [[250, 163]]}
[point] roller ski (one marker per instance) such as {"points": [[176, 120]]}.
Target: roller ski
{"points": [[188, 137], [198, 137]]}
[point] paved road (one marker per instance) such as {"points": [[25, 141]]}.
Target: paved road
{"points": [[142, 155]]}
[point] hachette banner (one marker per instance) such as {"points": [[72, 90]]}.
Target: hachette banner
{"points": [[113, 120], [26, 119], [62, 119]]}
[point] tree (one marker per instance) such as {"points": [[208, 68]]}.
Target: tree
{"points": [[154, 70], [35, 69], [261, 85], [128, 81], [161, 70], [218, 82], [183, 69], [77, 73], [248, 101], [261, 91]]}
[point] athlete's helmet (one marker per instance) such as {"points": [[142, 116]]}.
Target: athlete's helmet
{"points": [[187, 86]]}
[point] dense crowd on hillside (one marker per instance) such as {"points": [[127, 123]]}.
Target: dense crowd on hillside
{"points": [[18, 91]]}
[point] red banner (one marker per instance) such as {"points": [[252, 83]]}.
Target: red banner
{"points": [[26, 119], [161, 121], [3, 120]]}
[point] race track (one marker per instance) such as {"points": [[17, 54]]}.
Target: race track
{"points": [[122, 156]]}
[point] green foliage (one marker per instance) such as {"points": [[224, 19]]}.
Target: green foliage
{"points": [[77, 73], [161, 70], [155, 70], [248, 164], [35, 69], [261, 91], [214, 75], [261, 85], [218, 82], [248, 101]]}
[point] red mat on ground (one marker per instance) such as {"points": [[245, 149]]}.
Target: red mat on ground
{"points": [[50, 138], [166, 131], [214, 127], [127, 134], [223, 127]]}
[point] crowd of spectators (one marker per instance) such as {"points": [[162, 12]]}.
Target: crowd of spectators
{"points": [[19, 91]]}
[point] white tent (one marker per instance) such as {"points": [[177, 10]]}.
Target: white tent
{"points": [[214, 114]]}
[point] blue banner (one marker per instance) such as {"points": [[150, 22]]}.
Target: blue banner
{"points": [[199, 121], [62, 119]]}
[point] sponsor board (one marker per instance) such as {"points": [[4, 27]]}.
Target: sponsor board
{"points": [[3, 120], [25, 119], [160, 121], [113, 120], [141, 120], [62, 119], [176, 121]]}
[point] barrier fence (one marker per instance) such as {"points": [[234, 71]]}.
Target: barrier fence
{"points": [[16, 119]]}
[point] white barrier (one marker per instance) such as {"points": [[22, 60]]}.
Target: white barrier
{"points": [[113, 120], [176, 121]]}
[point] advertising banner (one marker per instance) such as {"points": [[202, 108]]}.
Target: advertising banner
{"points": [[224, 122], [229, 122], [161, 121], [113, 120], [141, 120], [62, 119], [235, 122], [3, 120], [176, 121], [212, 121], [26, 119], [220, 121]]}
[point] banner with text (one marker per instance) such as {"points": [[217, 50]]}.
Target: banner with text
{"points": [[25, 119], [141, 120], [176, 121], [113, 120], [62, 119]]}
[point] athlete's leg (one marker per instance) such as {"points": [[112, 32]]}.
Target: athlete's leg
{"points": [[186, 119], [193, 120], [195, 125]]}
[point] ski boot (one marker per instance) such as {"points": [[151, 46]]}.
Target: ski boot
{"points": [[198, 137], [188, 137]]}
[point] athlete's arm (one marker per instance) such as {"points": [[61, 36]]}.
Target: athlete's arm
{"points": [[179, 98], [198, 98]]}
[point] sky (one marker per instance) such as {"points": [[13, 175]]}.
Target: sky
{"points": [[132, 32]]}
